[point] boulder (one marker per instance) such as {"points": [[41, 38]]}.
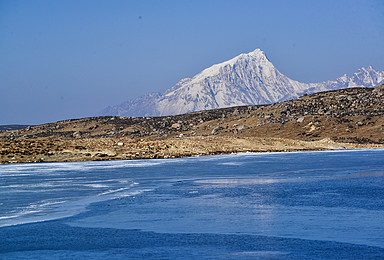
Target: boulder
{"points": [[243, 127], [216, 129], [76, 134], [132, 131]]}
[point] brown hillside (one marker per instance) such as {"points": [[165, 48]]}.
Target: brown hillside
{"points": [[349, 118]]}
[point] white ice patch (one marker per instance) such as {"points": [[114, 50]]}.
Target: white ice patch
{"points": [[50, 210], [52, 168]]}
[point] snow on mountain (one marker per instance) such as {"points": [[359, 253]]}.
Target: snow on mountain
{"points": [[141, 106], [248, 79]]}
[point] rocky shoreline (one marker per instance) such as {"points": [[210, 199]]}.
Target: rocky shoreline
{"points": [[342, 119]]}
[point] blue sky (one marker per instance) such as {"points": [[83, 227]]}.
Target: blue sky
{"points": [[70, 59]]}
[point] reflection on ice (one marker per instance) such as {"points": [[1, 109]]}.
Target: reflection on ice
{"points": [[262, 254], [241, 181]]}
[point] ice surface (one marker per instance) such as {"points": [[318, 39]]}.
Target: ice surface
{"points": [[298, 205]]}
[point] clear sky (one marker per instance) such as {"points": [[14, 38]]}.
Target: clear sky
{"points": [[62, 59]]}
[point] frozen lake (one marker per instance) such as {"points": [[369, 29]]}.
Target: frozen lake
{"points": [[312, 205]]}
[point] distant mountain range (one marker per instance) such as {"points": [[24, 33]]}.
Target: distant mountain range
{"points": [[12, 127], [247, 79]]}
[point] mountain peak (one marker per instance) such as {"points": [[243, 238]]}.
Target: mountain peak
{"points": [[247, 79], [257, 52], [254, 57], [366, 69]]}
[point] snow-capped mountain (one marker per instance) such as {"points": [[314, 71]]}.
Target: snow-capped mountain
{"points": [[248, 79]]}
